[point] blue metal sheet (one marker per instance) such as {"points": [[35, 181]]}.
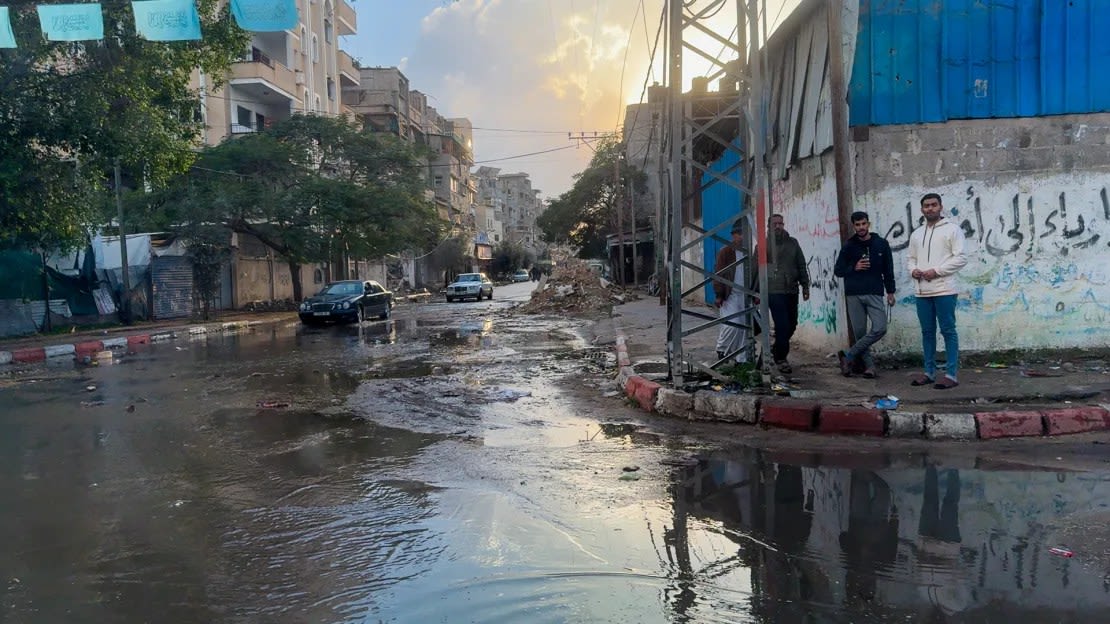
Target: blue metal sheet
{"points": [[720, 202], [933, 60]]}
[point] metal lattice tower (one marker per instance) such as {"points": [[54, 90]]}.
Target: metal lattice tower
{"points": [[699, 125]]}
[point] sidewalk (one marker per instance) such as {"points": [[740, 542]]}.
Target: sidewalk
{"points": [[988, 403]]}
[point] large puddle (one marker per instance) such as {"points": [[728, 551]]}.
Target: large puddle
{"points": [[434, 470]]}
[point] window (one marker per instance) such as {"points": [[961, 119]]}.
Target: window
{"points": [[331, 88], [304, 42], [315, 49], [439, 180], [327, 31], [454, 184], [317, 107], [317, 277], [307, 99]]}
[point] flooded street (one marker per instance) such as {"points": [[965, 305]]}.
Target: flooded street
{"points": [[462, 464]]}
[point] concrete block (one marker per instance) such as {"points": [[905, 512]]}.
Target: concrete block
{"points": [[138, 339], [59, 350], [671, 402], [1075, 420], [623, 375], [789, 414], [200, 329], [851, 420], [905, 424], [727, 407], [114, 343], [89, 347], [950, 427], [1009, 424], [162, 336], [642, 391], [30, 354], [5, 357]]}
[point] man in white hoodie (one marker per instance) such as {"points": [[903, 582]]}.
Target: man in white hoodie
{"points": [[935, 254]]}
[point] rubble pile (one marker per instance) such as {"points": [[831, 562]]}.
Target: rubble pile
{"points": [[573, 289]]}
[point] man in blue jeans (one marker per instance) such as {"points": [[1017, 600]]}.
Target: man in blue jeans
{"points": [[935, 254]]}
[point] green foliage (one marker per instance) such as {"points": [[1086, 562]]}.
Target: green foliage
{"points": [[744, 374], [508, 257], [586, 214], [309, 188], [71, 109]]}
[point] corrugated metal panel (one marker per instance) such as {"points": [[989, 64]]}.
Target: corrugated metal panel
{"points": [[172, 279], [933, 60]]}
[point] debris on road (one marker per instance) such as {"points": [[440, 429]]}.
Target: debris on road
{"points": [[273, 404], [574, 289], [1061, 552]]}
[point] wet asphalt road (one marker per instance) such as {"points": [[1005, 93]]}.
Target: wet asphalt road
{"points": [[463, 464]]}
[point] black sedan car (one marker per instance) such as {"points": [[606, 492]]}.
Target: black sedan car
{"points": [[348, 301]]}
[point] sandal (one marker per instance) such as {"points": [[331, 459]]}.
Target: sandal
{"points": [[922, 380], [945, 383]]}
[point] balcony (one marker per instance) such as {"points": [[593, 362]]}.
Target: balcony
{"points": [[345, 18], [349, 75], [264, 79]]}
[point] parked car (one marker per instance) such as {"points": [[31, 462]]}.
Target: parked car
{"points": [[347, 301], [475, 285], [521, 275]]}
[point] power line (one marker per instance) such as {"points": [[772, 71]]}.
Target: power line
{"points": [[624, 62]]}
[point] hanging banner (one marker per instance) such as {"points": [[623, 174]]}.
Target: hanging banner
{"points": [[265, 15], [71, 22], [167, 20], [7, 39]]}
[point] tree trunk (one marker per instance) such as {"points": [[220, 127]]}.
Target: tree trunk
{"points": [[295, 275]]}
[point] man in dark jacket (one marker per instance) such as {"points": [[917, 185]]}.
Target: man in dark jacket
{"points": [[786, 272], [867, 266]]}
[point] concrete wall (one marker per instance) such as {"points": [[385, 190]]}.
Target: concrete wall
{"points": [[1032, 197]]}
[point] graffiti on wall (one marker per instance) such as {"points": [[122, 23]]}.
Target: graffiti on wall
{"points": [[1035, 259], [1035, 245]]}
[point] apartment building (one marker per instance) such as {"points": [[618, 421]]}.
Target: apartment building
{"points": [[384, 101], [282, 73], [515, 201]]}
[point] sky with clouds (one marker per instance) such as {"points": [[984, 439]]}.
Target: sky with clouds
{"points": [[525, 72]]}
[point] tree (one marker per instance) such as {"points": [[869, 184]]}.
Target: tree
{"points": [[586, 214], [508, 257], [71, 109], [309, 188]]}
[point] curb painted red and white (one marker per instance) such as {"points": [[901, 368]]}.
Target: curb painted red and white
{"points": [[89, 348], [804, 415]]}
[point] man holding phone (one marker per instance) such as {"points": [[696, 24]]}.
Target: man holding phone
{"points": [[867, 266]]}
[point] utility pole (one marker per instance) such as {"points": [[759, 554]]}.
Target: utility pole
{"points": [[617, 186], [125, 296], [632, 214], [839, 93]]}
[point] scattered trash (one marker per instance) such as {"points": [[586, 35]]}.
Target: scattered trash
{"points": [[997, 365], [889, 402], [1029, 372], [630, 476], [91, 403], [508, 394], [273, 404], [130, 409], [983, 400], [90, 388], [1061, 552], [630, 468]]}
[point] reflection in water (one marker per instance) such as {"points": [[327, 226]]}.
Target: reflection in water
{"points": [[875, 545]]}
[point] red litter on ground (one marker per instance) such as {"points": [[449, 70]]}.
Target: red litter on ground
{"points": [[1061, 552]]}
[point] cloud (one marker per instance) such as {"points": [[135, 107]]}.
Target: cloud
{"points": [[532, 65]]}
